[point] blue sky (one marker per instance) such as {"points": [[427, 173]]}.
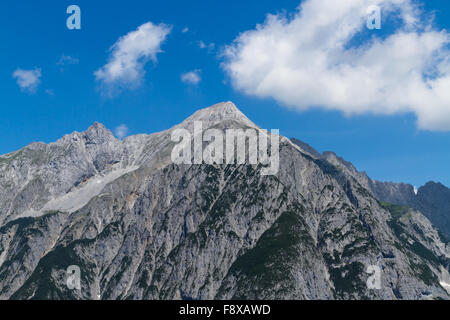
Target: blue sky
{"points": [[388, 145]]}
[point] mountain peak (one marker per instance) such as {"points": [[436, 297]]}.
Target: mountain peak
{"points": [[225, 107], [217, 113], [97, 134], [97, 126]]}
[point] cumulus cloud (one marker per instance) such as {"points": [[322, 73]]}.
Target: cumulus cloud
{"points": [[28, 80], [191, 77], [313, 59], [125, 67], [121, 131]]}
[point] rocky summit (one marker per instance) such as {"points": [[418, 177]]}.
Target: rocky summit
{"points": [[139, 226]]}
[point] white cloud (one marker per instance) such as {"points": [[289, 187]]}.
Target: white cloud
{"points": [[125, 67], [210, 47], [28, 80], [121, 131], [67, 60], [191, 77], [186, 29], [311, 60]]}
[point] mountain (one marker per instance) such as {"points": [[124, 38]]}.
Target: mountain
{"points": [[432, 199], [139, 226]]}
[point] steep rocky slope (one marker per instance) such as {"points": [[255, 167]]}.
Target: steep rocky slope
{"points": [[141, 227], [432, 199]]}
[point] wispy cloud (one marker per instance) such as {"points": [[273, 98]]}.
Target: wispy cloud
{"points": [[191, 77], [185, 29], [67, 60], [121, 131], [310, 60], [125, 67], [28, 80], [202, 45]]}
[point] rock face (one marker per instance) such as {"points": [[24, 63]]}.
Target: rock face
{"points": [[432, 199], [140, 227]]}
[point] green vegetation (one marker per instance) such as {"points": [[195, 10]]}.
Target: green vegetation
{"points": [[347, 279], [395, 210], [269, 263], [403, 235], [424, 273], [410, 242], [416, 247], [57, 260], [327, 167]]}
